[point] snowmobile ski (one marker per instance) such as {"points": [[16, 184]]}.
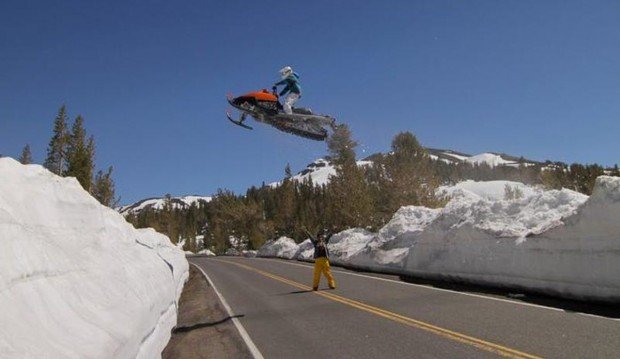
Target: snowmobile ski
{"points": [[238, 123]]}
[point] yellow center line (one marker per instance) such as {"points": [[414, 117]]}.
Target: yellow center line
{"points": [[446, 333]]}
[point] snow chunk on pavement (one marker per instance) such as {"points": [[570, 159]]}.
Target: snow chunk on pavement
{"points": [[77, 280]]}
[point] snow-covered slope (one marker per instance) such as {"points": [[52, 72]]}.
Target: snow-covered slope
{"points": [[556, 242], [489, 158], [319, 171], [77, 280], [158, 203]]}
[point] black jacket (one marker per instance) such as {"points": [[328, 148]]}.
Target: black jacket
{"points": [[320, 247]]}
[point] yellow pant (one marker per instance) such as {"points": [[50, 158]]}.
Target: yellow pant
{"points": [[322, 265]]}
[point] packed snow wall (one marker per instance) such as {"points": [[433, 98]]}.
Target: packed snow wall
{"points": [[77, 280], [555, 242], [282, 247]]}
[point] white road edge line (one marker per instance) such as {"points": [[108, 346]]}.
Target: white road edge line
{"points": [[287, 261], [244, 334]]}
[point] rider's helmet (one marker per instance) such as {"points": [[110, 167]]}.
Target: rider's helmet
{"points": [[286, 71]]}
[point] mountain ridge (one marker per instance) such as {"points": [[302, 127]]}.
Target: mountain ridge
{"points": [[321, 169]]}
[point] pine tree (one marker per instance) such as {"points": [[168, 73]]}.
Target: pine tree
{"points": [[287, 171], [285, 206], [555, 175], [341, 146], [350, 202], [26, 156], [169, 224], [410, 178], [590, 175], [80, 155], [103, 189], [57, 148]]}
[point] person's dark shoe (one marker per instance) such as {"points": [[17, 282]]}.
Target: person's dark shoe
{"points": [[315, 289]]}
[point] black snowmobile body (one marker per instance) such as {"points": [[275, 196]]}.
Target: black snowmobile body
{"points": [[264, 107]]}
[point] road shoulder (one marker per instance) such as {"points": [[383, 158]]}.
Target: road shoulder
{"points": [[204, 328]]}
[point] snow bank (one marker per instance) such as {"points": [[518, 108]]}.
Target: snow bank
{"points": [[557, 242], [77, 280], [305, 251], [206, 252], [386, 250], [283, 247], [534, 213], [344, 245], [491, 190], [232, 252]]}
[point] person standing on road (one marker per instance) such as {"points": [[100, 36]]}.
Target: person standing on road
{"points": [[321, 259]]}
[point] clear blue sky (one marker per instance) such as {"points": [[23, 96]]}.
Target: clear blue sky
{"points": [[534, 78]]}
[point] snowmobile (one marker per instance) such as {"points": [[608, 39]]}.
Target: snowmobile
{"points": [[264, 106]]}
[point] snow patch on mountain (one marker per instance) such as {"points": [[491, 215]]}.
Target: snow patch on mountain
{"points": [[456, 156], [77, 280], [490, 159], [319, 172], [322, 169], [159, 203]]}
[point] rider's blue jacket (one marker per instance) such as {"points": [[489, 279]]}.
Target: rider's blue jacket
{"points": [[292, 84]]}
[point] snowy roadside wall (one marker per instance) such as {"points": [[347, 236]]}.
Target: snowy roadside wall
{"points": [[77, 280], [282, 247], [556, 242]]}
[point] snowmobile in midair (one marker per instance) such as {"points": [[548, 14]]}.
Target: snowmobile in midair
{"points": [[264, 106]]}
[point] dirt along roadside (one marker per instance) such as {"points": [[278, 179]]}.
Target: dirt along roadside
{"points": [[204, 328]]}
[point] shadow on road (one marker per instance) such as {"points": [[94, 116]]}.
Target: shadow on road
{"points": [[297, 292], [206, 324], [575, 306]]}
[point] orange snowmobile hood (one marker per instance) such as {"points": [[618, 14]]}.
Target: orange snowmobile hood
{"points": [[263, 95]]}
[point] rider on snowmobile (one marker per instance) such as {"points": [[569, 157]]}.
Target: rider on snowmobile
{"points": [[293, 88]]}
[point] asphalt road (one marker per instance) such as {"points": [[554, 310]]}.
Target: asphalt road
{"points": [[370, 316]]}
